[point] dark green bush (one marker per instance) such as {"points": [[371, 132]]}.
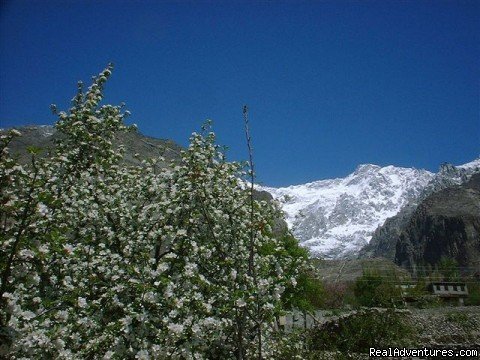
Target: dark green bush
{"points": [[371, 289], [473, 294], [362, 330]]}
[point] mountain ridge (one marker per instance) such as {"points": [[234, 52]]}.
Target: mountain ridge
{"points": [[137, 145], [383, 241], [336, 218]]}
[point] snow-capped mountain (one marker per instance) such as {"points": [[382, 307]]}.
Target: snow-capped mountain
{"points": [[449, 175], [335, 218]]}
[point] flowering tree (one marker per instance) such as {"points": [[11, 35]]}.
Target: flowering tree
{"points": [[104, 260]]}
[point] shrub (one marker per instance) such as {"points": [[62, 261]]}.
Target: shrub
{"points": [[372, 290], [361, 330], [448, 269], [308, 293], [339, 295], [473, 294]]}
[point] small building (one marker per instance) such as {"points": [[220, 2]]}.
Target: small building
{"points": [[408, 293], [406, 288], [449, 290]]}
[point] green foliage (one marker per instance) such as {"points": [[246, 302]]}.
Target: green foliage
{"points": [[360, 331], [339, 295], [307, 292], [448, 269], [460, 318], [33, 150], [429, 302], [421, 297], [419, 290], [365, 288], [371, 289], [473, 294]]}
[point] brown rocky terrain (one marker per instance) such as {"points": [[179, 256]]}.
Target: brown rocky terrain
{"points": [[137, 146]]}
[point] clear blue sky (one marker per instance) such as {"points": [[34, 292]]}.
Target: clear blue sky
{"points": [[330, 84]]}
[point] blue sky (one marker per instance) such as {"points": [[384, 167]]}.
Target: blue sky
{"points": [[329, 84]]}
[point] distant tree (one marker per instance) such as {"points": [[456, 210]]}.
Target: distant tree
{"points": [[371, 289], [448, 269], [336, 295], [473, 294], [306, 292]]}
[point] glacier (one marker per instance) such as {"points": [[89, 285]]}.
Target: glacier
{"points": [[335, 218]]}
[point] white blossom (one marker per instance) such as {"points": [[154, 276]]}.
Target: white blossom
{"points": [[240, 303], [117, 236], [42, 209], [82, 302], [175, 328]]}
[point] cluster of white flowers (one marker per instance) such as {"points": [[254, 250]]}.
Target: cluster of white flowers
{"points": [[104, 260]]}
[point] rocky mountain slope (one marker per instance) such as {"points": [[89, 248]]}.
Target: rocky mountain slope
{"points": [[383, 242], [336, 218], [445, 224], [43, 136]]}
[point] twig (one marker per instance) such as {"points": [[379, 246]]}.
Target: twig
{"points": [[251, 265]]}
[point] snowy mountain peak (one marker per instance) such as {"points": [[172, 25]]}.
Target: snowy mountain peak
{"points": [[335, 218], [472, 165], [363, 168]]}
